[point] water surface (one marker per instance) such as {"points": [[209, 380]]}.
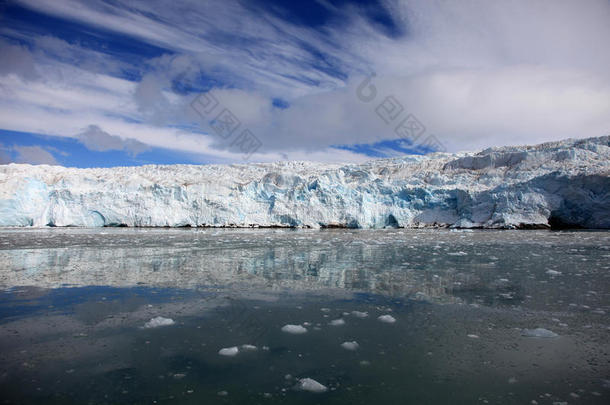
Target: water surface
{"points": [[75, 301]]}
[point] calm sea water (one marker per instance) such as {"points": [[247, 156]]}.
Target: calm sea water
{"points": [[75, 303]]}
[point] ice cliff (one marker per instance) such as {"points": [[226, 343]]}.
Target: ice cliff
{"points": [[564, 183]]}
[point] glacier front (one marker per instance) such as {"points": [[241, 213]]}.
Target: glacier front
{"points": [[564, 183]]}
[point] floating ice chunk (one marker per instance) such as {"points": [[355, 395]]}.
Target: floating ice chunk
{"points": [[473, 336], [553, 272], [294, 329], [353, 345], [222, 393], [229, 351], [387, 319], [249, 348], [311, 385], [538, 333], [457, 253], [365, 363], [359, 314], [337, 322], [158, 321]]}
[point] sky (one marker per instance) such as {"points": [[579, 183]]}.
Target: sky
{"points": [[102, 83]]}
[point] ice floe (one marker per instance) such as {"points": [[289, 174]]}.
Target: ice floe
{"points": [[386, 318], [311, 385], [359, 314], [353, 345], [158, 321], [294, 329], [229, 351], [539, 333]]}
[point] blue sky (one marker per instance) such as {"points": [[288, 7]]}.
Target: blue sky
{"points": [[106, 83]]}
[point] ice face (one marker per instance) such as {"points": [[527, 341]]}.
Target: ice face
{"points": [[560, 183]]}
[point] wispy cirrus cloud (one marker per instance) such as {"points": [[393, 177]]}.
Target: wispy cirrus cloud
{"points": [[477, 74]]}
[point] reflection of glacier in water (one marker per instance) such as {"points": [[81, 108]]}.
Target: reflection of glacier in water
{"points": [[76, 303], [446, 265]]}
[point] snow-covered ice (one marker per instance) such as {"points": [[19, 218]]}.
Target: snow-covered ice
{"points": [[506, 187], [386, 318], [353, 345], [158, 321], [359, 314], [229, 351], [337, 322], [539, 333], [311, 385], [294, 329]]}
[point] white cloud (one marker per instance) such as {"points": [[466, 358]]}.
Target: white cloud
{"points": [[18, 60], [94, 138], [35, 155], [476, 74]]}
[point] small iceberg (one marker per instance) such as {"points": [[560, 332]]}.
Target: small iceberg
{"points": [[353, 345], [229, 351], [553, 272], [158, 321], [249, 348], [294, 329], [359, 314], [337, 322], [387, 319], [538, 333], [311, 385]]}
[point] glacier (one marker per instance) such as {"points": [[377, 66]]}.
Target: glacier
{"points": [[556, 184]]}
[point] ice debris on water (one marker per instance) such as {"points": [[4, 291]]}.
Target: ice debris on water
{"points": [[553, 272], [294, 329], [311, 385], [359, 314], [248, 348], [229, 351], [353, 345], [538, 333], [158, 321], [337, 322], [387, 318]]}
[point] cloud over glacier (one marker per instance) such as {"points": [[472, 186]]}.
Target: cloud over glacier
{"points": [[477, 74]]}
